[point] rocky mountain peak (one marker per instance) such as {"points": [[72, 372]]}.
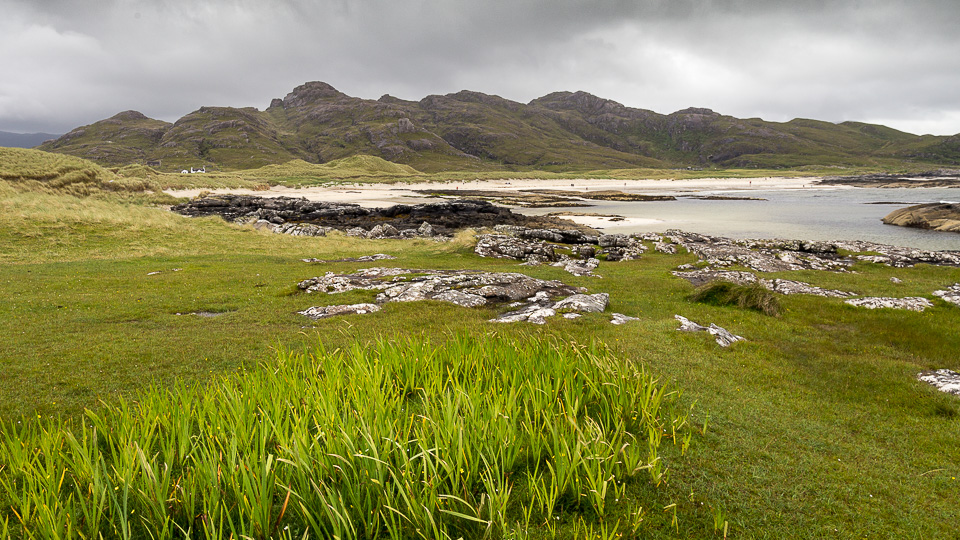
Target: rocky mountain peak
{"points": [[309, 93], [129, 116], [698, 110], [580, 101]]}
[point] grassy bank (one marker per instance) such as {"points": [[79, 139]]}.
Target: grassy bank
{"points": [[816, 426]]}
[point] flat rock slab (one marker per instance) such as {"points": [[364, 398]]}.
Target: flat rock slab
{"points": [[935, 216], [472, 288], [364, 258], [322, 312], [786, 255], [951, 294], [540, 307], [944, 380], [620, 318], [911, 303], [783, 286], [724, 337]]}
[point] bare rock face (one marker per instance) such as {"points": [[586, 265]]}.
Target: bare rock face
{"points": [[937, 216], [911, 303], [404, 125], [944, 380]]}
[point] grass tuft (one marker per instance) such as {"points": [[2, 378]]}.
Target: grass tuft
{"points": [[724, 293]]}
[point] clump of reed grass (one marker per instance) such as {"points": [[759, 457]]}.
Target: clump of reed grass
{"points": [[724, 293], [402, 439]]}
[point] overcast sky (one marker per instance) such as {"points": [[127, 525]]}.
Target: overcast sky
{"points": [[65, 63]]}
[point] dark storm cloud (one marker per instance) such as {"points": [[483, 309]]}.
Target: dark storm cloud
{"points": [[894, 62]]}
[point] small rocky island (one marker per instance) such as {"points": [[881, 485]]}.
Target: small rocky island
{"points": [[935, 216]]}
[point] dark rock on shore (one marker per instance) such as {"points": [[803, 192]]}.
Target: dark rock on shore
{"points": [[936, 216], [442, 218], [941, 178]]}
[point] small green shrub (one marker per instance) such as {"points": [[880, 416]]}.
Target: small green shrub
{"points": [[725, 293]]}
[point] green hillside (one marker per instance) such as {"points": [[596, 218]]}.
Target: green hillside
{"points": [[471, 131]]}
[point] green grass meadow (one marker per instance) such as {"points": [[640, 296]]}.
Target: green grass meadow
{"points": [[125, 414]]}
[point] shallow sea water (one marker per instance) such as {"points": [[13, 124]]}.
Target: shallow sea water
{"points": [[804, 214]]}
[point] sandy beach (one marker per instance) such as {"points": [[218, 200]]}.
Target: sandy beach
{"points": [[379, 195], [374, 195]]}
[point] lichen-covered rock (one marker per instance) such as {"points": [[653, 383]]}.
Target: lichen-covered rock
{"points": [[911, 303], [364, 258], [620, 318], [576, 267], [723, 337], [944, 380], [322, 312], [664, 247], [584, 303], [783, 286], [951, 294], [501, 246], [701, 277], [534, 313], [762, 256], [383, 231], [787, 286], [403, 285]]}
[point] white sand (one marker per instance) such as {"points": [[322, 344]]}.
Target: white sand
{"points": [[376, 195]]}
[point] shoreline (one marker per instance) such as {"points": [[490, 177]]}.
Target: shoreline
{"points": [[376, 195]]}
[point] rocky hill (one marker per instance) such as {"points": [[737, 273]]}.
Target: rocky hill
{"points": [[472, 131]]}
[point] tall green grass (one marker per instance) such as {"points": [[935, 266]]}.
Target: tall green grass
{"points": [[483, 437]]}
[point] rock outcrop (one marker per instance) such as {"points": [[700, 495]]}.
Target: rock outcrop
{"points": [[783, 286], [937, 216], [297, 216], [787, 255], [944, 380], [724, 337], [534, 299], [951, 294], [911, 303], [322, 312]]}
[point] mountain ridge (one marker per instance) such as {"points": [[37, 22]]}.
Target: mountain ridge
{"points": [[470, 130], [24, 140]]}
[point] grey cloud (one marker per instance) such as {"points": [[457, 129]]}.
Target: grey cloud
{"points": [[864, 60]]}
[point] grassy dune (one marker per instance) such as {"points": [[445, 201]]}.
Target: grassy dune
{"points": [[813, 427]]}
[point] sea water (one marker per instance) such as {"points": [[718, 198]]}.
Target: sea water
{"points": [[805, 214]]}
